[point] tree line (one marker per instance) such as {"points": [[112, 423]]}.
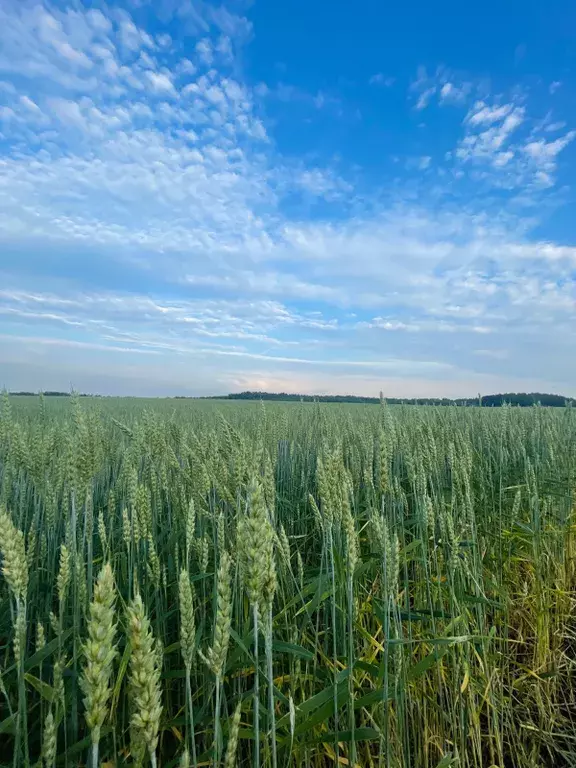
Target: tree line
{"points": [[522, 399]]}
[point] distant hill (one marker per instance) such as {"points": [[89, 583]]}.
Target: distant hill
{"points": [[513, 398]]}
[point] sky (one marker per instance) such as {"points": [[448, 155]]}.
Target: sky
{"points": [[320, 197]]}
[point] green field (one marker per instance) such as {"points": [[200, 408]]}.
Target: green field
{"points": [[290, 584]]}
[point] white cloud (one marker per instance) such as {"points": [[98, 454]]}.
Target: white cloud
{"points": [[98, 21], [160, 82], [482, 114], [34, 341], [543, 155], [164, 40], [381, 79], [164, 323], [500, 156], [496, 354], [445, 85], [454, 94], [29, 104], [446, 91], [424, 98], [131, 36], [321, 183], [205, 51], [68, 112], [557, 126]]}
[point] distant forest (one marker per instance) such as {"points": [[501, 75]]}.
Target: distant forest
{"points": [[46, 394], [513, 398]]}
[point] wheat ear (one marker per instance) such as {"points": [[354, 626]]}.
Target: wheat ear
{"points": [[99, 653]]}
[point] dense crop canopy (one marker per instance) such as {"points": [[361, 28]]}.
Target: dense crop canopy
{"points": [[289, 584]]}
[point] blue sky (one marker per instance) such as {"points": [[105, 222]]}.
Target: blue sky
{"points": [[198, 198]]}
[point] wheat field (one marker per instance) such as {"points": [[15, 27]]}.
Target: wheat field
{"points": [[204, 583]]}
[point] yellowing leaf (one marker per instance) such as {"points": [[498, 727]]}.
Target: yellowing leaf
{"points": [[465, 682]]}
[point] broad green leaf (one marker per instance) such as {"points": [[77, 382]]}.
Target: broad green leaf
{"points": [[295, 650], [9, 724], [312, 606], [326, 710], [317, 700], [378, 695], [426, 663], [46, 691], [43, 653]]}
